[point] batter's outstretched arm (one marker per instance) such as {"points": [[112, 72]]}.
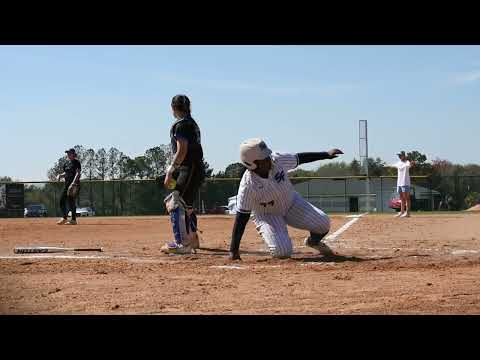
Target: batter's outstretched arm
{"points": [[241, 221], [307, 157]]}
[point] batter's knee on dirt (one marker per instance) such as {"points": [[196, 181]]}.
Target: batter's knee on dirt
{"points": [[281, 250], [281, 253]]}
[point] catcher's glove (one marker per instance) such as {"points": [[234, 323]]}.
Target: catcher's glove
{"points": [[73, 190], [334, 153]]}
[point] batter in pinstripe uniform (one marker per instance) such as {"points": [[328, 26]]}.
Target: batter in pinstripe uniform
{"points": [[266, 193]]}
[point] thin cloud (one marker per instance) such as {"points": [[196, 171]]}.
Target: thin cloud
{"points": [[468, 77]]}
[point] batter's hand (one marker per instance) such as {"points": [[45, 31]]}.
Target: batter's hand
{"points": [[334, 152], [235, 256]]}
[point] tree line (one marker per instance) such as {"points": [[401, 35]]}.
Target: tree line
{"points": [[114, 164]]}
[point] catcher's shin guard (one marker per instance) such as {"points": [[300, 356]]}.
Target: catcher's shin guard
{"points": [[179, 218]]}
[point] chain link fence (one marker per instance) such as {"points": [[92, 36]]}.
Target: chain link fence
{"points": [[332, 194]]}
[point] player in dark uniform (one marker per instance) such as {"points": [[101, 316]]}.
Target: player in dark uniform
{"points": [[184, 176], [71, 172]]}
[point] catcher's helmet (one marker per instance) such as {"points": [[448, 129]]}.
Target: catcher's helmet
{"points": [[251, 150]]}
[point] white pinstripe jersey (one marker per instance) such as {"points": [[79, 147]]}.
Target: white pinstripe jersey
{"points": [[273, 195]]}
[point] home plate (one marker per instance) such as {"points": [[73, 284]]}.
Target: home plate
{"points": [[228, 267]]}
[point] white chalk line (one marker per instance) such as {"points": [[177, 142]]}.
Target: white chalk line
{"points": [[453, 252], [337, 233]]}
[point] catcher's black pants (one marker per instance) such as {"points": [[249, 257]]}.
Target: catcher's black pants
{"points": [[72, 203], [189, 179]]}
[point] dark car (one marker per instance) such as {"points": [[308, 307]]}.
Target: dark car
{"points": [[39, 210], [218, 210]]}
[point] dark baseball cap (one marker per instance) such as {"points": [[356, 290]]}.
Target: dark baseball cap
{"points": [[70, 151], [401, 153]]}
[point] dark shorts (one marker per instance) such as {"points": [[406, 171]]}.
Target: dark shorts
{"points": [[189, 179]]}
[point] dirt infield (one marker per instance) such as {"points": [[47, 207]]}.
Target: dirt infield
{"points": [[426, 264]]}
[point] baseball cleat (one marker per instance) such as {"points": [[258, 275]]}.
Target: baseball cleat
{"points": [[71, 222], [174, 248], [405, 215], [62, 221], [398, 215], [321, 247]]}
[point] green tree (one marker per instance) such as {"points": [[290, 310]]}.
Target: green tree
{"points": [[143, 170], [5, 179], [89, 165], [56, 169], [376, 167], [101, 164], [355, 167], [234, 170], [156, 161], [112, 163]]}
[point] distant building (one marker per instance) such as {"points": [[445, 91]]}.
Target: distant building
{"points": [[350, 195]]}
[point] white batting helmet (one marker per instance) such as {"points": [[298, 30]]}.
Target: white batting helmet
{"points": [[251, 150]]}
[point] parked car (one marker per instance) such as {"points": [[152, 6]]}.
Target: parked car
{"points": [[232, 205], [37, 210], [395, 203], [218, 210], [86, 211]]}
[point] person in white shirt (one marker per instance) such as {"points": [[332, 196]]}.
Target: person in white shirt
{"points": [[403, 183], [266, 192]]}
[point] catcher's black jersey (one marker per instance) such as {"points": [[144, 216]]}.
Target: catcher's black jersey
{"points": [[70, 170], [187, 129]]}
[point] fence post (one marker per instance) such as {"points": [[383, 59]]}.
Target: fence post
{"points": [[55, 200], [381, 193], [430, 183], [345, 196], [308, 190], [114, 208]]}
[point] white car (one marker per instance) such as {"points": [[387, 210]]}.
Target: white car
{"points": [[87, 211]]}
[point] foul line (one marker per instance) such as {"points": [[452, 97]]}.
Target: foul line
{"points": [[337, 233]]}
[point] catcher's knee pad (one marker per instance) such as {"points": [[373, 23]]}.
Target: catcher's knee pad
{"points": [[174, 201]]}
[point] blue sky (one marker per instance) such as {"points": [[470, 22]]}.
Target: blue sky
{"points": [[298, 98]]}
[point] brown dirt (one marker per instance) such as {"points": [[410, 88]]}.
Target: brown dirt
{"points": [[427, 264]]}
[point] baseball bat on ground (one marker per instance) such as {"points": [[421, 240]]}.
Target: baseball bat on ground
{"points": [[49, 249]]}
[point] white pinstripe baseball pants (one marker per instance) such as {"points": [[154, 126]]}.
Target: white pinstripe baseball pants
{"points": [[301, 215]]}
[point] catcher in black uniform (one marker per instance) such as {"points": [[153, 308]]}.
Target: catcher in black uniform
{"points": [[184, 176], [71, 172]]}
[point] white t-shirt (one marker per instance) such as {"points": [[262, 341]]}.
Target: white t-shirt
{"points": [[273, 195], [403, 173]]}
